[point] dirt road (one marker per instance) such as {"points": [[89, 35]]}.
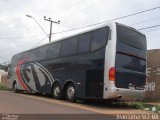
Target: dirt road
{"points": [[38, 105]]}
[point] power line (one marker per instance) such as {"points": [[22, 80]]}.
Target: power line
{"points": [[12, 37], [4, 58], [129, 15], [108, 21], [17, 37], [99, 23], [144, 21], [39, 41], [151, 31], [149, 27], [94, 24]]}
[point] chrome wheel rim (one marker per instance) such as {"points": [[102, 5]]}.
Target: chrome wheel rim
{"points": [[71, 92], [57, 91]]}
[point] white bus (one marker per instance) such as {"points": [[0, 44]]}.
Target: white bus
{"points": [[107, 62]]}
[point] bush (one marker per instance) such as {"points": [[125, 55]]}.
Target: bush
{"points": [[2, 87]]}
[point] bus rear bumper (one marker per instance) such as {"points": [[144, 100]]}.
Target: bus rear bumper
{"points": [[130, 95], [127, 94]]}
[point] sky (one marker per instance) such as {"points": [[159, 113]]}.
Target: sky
{"points": [[19, 33]]}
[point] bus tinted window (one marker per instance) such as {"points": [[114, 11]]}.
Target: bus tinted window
{"points": [[33, 55], [42, 52], [131, 63], [38, 53], [54, 50], [131, 37], [99, 38], [69, 46], [84, 43]]}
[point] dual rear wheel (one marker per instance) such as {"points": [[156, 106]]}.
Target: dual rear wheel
{"points": [[57, 92], [69, 92]]}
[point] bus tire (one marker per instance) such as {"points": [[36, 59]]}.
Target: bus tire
{"points": [[15, 87], [57, 92], [70, 92]]}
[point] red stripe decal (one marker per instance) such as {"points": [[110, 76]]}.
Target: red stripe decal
{"points": [[19, 74]]}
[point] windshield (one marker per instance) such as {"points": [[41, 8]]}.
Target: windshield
{"points": [[131, 37]]}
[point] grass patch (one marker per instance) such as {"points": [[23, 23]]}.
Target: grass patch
{"points": [[140, 106], [145, 106], [2, 87]]}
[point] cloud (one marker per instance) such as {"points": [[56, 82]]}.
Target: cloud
{"points": [[72, 13]]}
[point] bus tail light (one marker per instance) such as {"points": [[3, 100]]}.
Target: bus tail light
{"points": [[112, 72]]}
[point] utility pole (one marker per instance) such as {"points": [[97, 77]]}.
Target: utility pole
{"points": [[51, 21]]}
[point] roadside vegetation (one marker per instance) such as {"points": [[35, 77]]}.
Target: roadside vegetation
{"points": [[151, 107], [2, 87], [145, 106]]}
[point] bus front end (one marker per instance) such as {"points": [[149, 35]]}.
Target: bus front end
{"points": [[127, 74]]}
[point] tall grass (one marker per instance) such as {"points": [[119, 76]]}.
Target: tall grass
{"points": [[2, 87]]}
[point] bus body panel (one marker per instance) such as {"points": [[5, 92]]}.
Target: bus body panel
{"points": [[109, 86], [82, 70], [13, 79], [85, 70]]}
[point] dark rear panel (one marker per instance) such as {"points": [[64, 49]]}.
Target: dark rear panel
{"points": [[130, 59]]}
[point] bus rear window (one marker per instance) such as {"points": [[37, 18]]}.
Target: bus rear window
{"points": [[131, 37], [99, 38]]}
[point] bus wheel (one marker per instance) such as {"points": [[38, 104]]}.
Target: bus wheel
{"points": [[57, 92], [15, 87], [70, 92]]}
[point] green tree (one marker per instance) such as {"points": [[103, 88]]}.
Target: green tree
{"points": [[4, 67]]}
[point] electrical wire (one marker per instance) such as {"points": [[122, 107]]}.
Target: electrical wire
{"points": [[144, 21], [39, 42], [129, 15], [17, 37], [149, 27]]}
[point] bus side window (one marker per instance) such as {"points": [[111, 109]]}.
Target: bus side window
{"points": [[99, 38], [54, 50], [42, 53], [33, 55], [69, 46], [84, 43], [39, 53]]}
